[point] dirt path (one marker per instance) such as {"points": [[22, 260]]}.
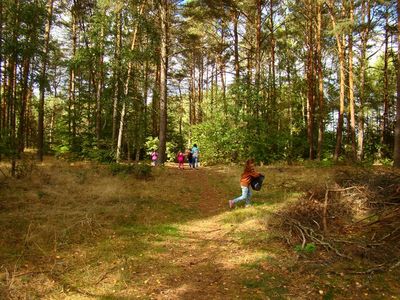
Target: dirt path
{"points": [[208, 255]]}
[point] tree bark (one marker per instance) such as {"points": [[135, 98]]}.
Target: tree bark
{"points": [[1, 74], [272, 66], [117, 74], [155, 103], [40, 140], [24, 98], [99, 84], [397, 128], [71, 87], [385, 121], [163, 80], [235, 20], [310, 81], [351, 85], [126, 91], [340, 46], [365, 13], [321, 105]]}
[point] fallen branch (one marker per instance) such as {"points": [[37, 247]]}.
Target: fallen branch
{"points": [[310, 233], [389, 234]]}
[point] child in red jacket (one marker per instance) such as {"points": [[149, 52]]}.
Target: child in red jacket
{"points": [[181, 160], [248, 174]]}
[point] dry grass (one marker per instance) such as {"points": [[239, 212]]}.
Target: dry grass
{"points": [[75, 231]]}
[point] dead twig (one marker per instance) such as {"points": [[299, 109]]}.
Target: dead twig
{"points": [[310, 233], [325, 209], [302, 235], [104, 275], [389, 234], [397, 264]]}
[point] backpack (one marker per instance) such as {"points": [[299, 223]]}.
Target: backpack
{"points": [[256, 182]]}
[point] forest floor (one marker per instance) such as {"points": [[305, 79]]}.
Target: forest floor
{"points": [[72, 230]]}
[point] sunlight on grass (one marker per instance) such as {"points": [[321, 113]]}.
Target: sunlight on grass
{"points": [[72, 229]]}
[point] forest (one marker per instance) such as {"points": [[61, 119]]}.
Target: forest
{"points": [[273, 80], [309, 89]]}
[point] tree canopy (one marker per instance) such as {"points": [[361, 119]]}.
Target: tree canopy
{"points": [[274, 80]]}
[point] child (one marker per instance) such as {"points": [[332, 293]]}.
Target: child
{"points": [[189, 156], [248, 174], [154, 157], [195, 156], [181, 159]]}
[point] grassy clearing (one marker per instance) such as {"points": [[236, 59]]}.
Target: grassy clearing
{"points": [[82, 231]]}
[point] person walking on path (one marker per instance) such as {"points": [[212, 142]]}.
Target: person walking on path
{"points": [[248, 174], [189, 157], [181, 159], [195, 152]]}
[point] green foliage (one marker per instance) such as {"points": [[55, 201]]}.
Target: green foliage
{"points": [[139, 171], [151, 144], [219, 140], [309, 248], [171, 150], [98, 151]]}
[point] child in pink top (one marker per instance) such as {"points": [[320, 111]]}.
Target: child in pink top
{"points": [[181, 159]]}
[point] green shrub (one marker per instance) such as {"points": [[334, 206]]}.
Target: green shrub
{"points": [[309, 248]]}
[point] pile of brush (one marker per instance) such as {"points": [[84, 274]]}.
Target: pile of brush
{"points": [[356, 216]]}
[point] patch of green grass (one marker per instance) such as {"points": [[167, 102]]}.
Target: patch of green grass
{"points": [[309, 248], [329, 295], [41, 194]]}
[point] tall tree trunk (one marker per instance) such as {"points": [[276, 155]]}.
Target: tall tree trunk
{"points": [[117, 74], [99, 83], [126, 91], [145, 95], [321, 105], [155, 103], [12, 92], [385, 121], [4, 98], [212, 87], [163, 80], [200, 90], [1, 75], [272, 65], [40, 140], [310, 81], [257, 56], [340, 46], [71, 87], [192, 99], [12, 88], [235, 20], [397, 128], [351, 84], [365, 13], [24, 98]]}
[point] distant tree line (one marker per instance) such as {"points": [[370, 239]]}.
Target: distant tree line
{"points": [[275, 80]]}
